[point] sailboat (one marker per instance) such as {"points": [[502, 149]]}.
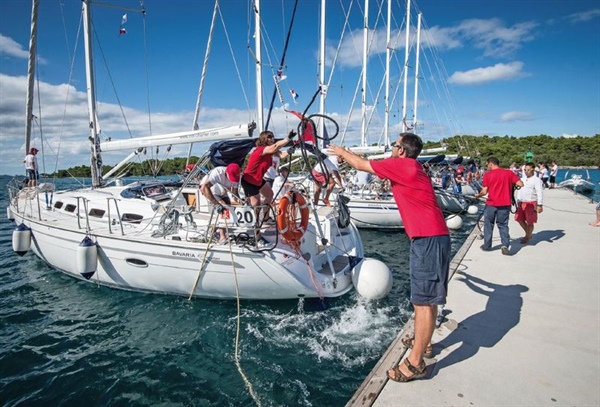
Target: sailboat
{"points": [[372, 204], [159, 237]]}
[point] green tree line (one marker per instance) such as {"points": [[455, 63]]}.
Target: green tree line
{"points": [[567, 152]]}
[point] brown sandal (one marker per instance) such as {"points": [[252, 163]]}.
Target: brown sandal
{"points": [[409, 341], [417, 372]]}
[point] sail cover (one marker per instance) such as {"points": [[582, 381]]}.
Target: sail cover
{"points": [[223, 153]]}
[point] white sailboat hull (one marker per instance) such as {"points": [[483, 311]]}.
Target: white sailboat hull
{"points": [[171, 264]]}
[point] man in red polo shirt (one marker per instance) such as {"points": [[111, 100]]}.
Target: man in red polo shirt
{"points": [[425, 225], [499, 183]]}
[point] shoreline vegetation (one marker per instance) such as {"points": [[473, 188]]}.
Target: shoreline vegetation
{"points": [[577, 153]]}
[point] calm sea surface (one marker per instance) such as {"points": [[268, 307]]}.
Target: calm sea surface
{"points": [[64, 342]]}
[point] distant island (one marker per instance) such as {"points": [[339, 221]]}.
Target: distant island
{"points": [[574, 152]]}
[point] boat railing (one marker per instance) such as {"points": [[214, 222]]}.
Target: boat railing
{"points": [[108, 201], [85, 211]]}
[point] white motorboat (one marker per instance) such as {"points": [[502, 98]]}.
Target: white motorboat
{"points": [[578, 184], [159, 237]]}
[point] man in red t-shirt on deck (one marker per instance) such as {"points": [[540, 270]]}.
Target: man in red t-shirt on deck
{"points": [[499, 183], [425, 225]]}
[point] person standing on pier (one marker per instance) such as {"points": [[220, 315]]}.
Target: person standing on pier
{"points": [[529, 202], [499, 183], [424, 223], [553, 174]]}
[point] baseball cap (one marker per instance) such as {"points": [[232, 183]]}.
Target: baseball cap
{"points": [[233, 172]]}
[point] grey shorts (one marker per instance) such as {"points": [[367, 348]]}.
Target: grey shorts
{"points": [[429, 268]]}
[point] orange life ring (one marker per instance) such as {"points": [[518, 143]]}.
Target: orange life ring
{"points": [[286, 219]]}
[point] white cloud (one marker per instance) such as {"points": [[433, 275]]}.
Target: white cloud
{"points": [[498, 72], [516, 117], [491, 36], [11, 48], [583, 16]]}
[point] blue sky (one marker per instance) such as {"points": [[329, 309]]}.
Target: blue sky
{"points": [[513, 68]]}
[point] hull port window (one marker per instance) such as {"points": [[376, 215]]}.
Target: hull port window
{"points": [[132, 218], [136, 262], [96, 213]]}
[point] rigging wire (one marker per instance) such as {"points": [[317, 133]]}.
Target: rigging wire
{"points": [[282, 62]]}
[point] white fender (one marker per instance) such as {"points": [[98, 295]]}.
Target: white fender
{"points": [[454, 222], [21, 239], [9, 214], [372, 279], [87, 258], [473, 210]]}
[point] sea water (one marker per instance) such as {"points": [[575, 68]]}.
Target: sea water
{"points": [[65, 342]]}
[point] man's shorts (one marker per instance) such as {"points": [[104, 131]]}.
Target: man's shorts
{"points": [[526, 212], [251, 189], [319, 177], [429, 268], [32, 174]]}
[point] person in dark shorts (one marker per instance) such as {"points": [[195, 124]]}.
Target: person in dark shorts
{"points": [[261, 158], [425, 225], [499, 183]]}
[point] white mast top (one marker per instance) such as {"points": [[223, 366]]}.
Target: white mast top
{"points": [[363, 132], [417, 73], [322, 94], [258, 55], [386, 120], [407, 43], [96, 159], [31, 73]]}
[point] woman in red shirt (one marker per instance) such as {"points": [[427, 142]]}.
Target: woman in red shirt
{"points": [[259, 162]]}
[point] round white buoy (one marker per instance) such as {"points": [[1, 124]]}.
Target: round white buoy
{"points": [[87, 258], [473, 210], [372, 279], [454, 222], [21, 239], [9, 214]]}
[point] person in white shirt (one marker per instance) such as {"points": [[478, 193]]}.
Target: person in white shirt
{"points": [[330, 165], [271, 173], [553, 174], [530, 201], [216, 186], [362, 178], [280, 186], [31, 167]]}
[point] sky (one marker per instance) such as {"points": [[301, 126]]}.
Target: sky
{"points": [[496, 68]]}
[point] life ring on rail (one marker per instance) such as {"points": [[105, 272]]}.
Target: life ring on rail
{"points": [[286, 219]]}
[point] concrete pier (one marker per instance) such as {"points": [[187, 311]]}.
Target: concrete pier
{"points": [[519, 330]]}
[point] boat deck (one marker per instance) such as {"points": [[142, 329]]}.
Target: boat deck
{"points": [[518, 330]]}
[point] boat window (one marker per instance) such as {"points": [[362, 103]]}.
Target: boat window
{"points": [[137, 262], [154, 191], [96, 213], [70, 208], [58, 205], [132, 218]]}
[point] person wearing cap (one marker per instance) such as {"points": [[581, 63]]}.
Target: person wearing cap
{"points": [[31, 167], [216, 186]]}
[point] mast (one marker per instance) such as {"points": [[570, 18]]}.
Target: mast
{"points": [[257, 53], [203, 76], [322, 71], [31, 73], [363, 131], [386, 118], [417, 72], [407, 42], [96, 159]]}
